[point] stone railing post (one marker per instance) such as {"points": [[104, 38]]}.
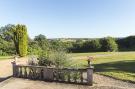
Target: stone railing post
{"points": [[90, 76], [14, 68], [48, 74]]}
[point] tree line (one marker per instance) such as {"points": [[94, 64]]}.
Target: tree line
{"points": [[15, 40]]}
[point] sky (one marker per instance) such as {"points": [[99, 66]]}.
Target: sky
{"points": [[71, 18]]}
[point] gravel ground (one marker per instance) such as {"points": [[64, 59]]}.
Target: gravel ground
{"points": [[6, 67], [100, 82], [16, 83], [107, 81]]}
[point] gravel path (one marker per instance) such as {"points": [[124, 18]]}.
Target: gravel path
{"points": [[17, 83], [6, 67], [107, 81]]}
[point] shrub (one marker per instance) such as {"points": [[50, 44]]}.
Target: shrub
{"points": [[42, 42], [33, 48], [32, 60], [55, 58], [59, 58], [3, 53], [43, 59]]}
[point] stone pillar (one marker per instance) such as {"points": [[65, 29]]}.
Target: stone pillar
{"points": [[90, 76], [48, 74], [14, 68]]}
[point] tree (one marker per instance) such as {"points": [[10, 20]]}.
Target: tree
{"points": [[6, 40], [109, 44], [95, 45], [127, 43], [21, 39], [130, 42], [87, 46], [59, 45], [77, 46], [33, 48], [42, 42], [6, 32]]}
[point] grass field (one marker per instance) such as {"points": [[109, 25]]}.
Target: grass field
{"points": [[119, 65], [5, 57]]}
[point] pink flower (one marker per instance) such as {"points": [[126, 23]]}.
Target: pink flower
{"points": [[90, 58]]}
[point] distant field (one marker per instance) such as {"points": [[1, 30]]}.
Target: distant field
{"points": [[120, 65]]}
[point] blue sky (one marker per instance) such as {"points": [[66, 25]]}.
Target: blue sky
{"points": [[71, 18]]}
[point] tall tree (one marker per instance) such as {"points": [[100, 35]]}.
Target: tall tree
{"points": [[21, 39]]}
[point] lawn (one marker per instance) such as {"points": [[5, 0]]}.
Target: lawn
{"points": [[119, 65], [5, 57]]}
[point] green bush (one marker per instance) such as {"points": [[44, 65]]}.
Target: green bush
{"points": [[42, 42], [59, 58], [43, 59], [3, 53], [32, 60], [33, 48]]}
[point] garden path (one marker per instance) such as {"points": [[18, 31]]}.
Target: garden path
{"points": [[6, 67]]}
